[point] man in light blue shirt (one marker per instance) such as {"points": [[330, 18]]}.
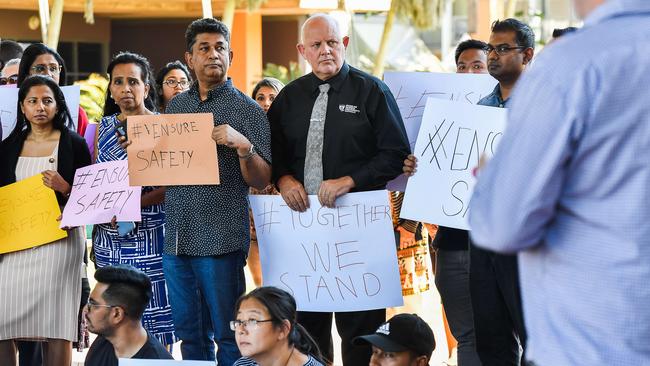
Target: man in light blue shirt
{"points": [[569, 189]]}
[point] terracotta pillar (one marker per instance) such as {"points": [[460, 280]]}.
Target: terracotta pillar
{"points": [[246, 43], [481, 14]]}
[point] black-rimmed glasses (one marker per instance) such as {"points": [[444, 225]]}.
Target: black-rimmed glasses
{"points": [[502, 50]]}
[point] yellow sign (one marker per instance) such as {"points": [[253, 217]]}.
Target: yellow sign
{"points": [[28, 213]]}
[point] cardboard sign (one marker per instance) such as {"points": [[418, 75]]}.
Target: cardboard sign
{"points": [[341, 259], [9, 102], [452, 140], [99, 192], [412, 89], [28, 213], [172, 150]]}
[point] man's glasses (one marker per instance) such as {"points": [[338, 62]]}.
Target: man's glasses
{"points": [[13, 79], [42, 69], [91, 305], [250, 324], [502, 50], [172, 83]]}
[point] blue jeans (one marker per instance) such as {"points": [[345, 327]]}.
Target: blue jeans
{"points": [[202, 292]]}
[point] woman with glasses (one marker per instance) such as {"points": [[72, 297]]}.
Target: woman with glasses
{"points": [[39, 59], [267, 332], [131, 93], [9, 74], [40, 288], [172, 80]]}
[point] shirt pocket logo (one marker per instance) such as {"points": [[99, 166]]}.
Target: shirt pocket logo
{"points": [[347, 108]]}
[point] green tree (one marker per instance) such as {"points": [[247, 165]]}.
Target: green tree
{"points": [[422, 14]]}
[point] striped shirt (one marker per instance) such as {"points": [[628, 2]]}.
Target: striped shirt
{"points": [[245, 361]]}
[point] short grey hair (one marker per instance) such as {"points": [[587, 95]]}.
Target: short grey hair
{"points": [[13, 61]]}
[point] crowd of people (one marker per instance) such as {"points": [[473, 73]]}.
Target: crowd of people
{"points": [[565, 184]]}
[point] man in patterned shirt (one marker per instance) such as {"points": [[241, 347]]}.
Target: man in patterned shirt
{"points": [[207, 233]]}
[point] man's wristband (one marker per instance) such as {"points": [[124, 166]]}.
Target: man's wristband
{"points": [[249, 154]]}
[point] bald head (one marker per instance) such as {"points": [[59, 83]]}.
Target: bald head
{"points": [[319, 20], [322, 45]]}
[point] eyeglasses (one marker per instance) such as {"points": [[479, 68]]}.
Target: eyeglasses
{"points": [[90, 305], [41, 69], [173, 83], [502, 50], [249, 324], [13, 79]]}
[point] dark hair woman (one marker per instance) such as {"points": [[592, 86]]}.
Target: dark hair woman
{"points": [[264, 94], [39, 59], [130, 93], [43, 281], [266, 331], [172, 80]]}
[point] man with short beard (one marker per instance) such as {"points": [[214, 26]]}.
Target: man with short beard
{"points": [[114, 313]]}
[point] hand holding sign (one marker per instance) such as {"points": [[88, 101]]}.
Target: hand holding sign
{"points": [[228, 136], [28, 212], [101, 192], [52, 179], [330, 259], [172, 149], [453, 140]]}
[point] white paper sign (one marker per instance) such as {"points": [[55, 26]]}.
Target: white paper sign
{"points": [[99, 192], [341, 259], [412, 89], [452, 139], [9, 102]]}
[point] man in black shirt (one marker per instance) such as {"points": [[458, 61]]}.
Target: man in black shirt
{"points": [[334, 131], [114, 313]]}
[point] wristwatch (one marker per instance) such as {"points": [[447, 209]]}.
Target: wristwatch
{"points": [[249, 154]]}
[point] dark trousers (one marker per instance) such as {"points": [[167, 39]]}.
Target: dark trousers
{"points": [[496, 303], [349, 325]]}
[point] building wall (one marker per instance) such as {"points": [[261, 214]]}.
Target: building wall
{"points": [[160, 41], [279, 38], [13, 25]]}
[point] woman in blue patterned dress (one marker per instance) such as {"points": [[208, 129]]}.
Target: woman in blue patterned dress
{"points": [[130, 93]]}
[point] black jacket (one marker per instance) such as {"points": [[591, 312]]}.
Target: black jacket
{"points": [[73, 154]]}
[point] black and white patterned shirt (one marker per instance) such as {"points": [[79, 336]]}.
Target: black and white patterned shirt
{"points": [[245, 361], [205, 220]]}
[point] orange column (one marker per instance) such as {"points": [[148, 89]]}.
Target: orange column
{"points": [[246, 43], [483, 18]]}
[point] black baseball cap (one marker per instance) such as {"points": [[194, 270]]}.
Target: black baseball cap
{"points": [[403, 332]]}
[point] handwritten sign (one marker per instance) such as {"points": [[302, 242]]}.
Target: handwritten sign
{"points": [[341, 259], [412, 89], [452, 139], [28, 213], [99, 192], [172, 149], [9, 102]]}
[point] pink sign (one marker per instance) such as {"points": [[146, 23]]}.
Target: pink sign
{"points": [[99, 192]]}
